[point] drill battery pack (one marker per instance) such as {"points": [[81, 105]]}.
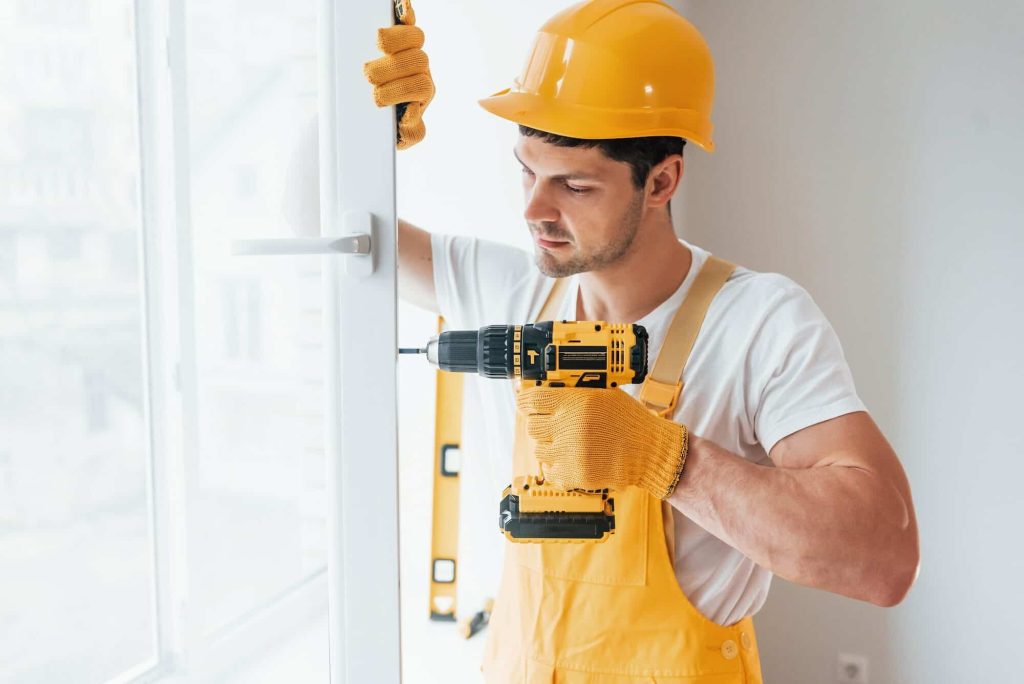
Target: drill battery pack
{"points": [[532, 511]]}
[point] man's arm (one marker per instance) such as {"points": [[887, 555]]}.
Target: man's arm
{"points": [[416, 267], [835, 513]]}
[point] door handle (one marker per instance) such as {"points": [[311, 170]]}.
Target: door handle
{"points": [[356, 241]]}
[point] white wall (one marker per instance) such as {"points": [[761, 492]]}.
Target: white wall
{"points": [[873, 151]]}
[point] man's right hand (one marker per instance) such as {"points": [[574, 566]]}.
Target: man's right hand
{"points": [[402, 76]]}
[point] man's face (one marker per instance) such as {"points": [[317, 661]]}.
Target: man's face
{"points": [[582, 207]]}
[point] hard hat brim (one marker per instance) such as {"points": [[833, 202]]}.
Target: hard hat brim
{"points": [[593, 123]]}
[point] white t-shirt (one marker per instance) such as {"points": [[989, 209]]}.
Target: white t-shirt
{"points": [[766, 364]]}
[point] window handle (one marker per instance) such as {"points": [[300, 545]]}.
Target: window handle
{"points": [[356, 241]]}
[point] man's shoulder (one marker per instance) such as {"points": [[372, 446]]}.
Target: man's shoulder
{"points": [[745, 286], [754, 304], [759, 288]]}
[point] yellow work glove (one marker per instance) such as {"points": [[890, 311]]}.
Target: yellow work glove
{"points": [[596, 438], [402, 76]]}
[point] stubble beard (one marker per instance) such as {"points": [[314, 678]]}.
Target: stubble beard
{"points": [[601, 258]]}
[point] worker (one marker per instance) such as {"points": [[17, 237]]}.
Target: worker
{"points": [[757, 459]]}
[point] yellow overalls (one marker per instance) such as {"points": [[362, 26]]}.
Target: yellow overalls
{"points": [[613, 612]]}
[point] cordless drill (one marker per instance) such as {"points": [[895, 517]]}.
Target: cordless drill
{"points": [[554, 354]]}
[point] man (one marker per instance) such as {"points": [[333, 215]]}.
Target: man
{"points": [[767, 463]]}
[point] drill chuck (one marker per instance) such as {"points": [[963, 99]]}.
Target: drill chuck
{"points": [[486, 351], [455, 351]]}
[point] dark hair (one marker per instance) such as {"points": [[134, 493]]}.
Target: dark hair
{"points": [[640, 153]]}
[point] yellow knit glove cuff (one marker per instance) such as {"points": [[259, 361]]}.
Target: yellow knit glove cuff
{"points": [[591, 439], [402, 76]]}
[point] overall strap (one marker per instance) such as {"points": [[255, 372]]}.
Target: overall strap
{"points": [[660, 392]]}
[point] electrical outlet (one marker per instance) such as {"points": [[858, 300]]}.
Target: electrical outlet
{"points": [[852, 669]]}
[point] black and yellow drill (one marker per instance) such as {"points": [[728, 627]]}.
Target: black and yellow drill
{"points": [[555, 354]]}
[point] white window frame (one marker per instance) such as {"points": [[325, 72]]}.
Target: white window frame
{"points": [[357, 174]]}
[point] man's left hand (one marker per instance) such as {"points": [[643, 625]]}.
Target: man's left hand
{"points": [[596, 438]]}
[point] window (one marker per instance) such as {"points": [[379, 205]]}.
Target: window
{"points": [[163, 496], [76, 571]]}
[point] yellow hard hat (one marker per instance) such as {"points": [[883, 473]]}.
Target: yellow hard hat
{"points": [[614, 69]]}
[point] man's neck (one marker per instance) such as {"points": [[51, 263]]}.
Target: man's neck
{"points": [[641, 280]]}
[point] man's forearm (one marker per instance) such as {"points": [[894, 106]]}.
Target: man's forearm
{"points": [[837, 528], [416, 267]]}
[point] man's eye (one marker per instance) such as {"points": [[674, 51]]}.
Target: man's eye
{"points": [[578, 191], [527, 171]]}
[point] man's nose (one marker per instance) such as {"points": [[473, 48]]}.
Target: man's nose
{"points": [[538, 207]]}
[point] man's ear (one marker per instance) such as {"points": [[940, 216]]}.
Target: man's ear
{"points": [[663, 180]]}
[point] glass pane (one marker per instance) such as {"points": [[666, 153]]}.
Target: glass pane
{"points": [[76, 575], [259, 505]]}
